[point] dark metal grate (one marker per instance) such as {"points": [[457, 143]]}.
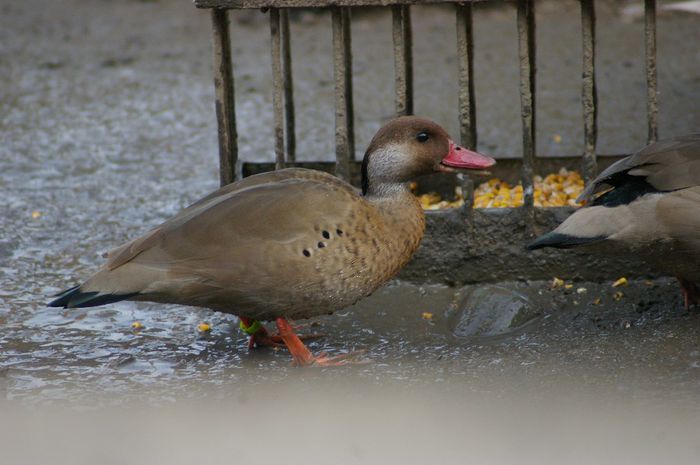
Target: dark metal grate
{"points": [[283, 101]]}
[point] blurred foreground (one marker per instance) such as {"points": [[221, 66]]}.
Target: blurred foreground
{"points": [[302, 424]]}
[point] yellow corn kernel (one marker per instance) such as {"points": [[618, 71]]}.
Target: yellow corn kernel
{"points": [[557, 282], [620, 282], [555, 190], [204, 327]]}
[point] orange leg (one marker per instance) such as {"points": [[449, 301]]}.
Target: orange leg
{"points": [[301, 354], [691, 293], [260, 337]]}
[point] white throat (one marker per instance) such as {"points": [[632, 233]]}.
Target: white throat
{"points": [[385, 172]]}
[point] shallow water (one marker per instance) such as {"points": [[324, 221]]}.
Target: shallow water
{"points": [[108, 129], [645, 352]]}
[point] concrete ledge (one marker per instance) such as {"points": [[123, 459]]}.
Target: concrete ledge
{"points": [[490, 247]]}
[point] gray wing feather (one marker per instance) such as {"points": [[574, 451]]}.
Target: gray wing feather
{"points": [[667, 165]]}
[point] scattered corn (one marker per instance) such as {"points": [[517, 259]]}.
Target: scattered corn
{"points": [[554, 190], [204, 327], [618, 295], [136, 325], [430, 199], [36, 214], [581, 290], [427, 316], [620, 282], [557, 282], [596, 301]]}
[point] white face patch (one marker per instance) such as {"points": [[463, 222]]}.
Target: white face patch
{"points": [[388, 163], [389, 168]]}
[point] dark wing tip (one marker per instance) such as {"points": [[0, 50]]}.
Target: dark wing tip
{"points": [[561, 241], [64, 297], [75, 298]]}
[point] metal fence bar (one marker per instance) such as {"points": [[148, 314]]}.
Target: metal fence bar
{"points": [[225, 102], [467, 105], [652, 92], [342, 72], [589, 95], [349, 105], [277, 87], [465, 52], [526, 47], [403, 59], [289, 123], [257, 4]]}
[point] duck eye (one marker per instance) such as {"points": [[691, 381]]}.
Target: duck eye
{"points": [[422, 136]]}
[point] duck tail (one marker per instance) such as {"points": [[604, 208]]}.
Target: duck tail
{"points": [[75, 298]]}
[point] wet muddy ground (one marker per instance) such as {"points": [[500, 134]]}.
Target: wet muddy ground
{"points": [[108, 128], [643, 345]]}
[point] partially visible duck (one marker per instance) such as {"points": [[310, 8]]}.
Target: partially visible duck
{"points": [[292, 243], [647, 205]]}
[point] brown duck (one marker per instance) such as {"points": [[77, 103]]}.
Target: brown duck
{"points": [[292, 243], [647, 205]]}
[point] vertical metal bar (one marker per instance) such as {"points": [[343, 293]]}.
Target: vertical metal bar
{"points": [[225, 102], [526, 47], [342, 73], [403, 59], [589, 95], [289, 122], [350, 106], [652, 92], [467, 104], [465, 52], [466, 183], [277, 87]]}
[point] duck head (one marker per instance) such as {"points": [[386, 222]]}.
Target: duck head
{"points": [[408, 147]]}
